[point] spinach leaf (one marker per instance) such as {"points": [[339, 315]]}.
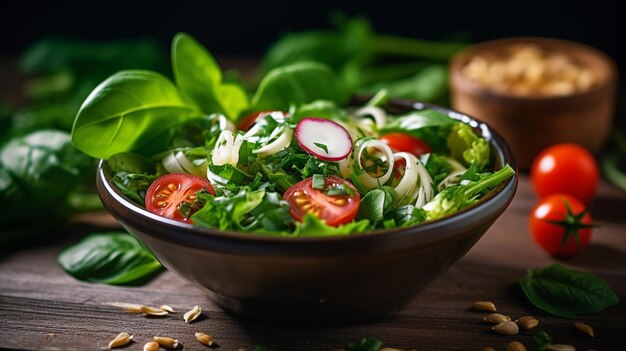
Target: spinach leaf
{"points": [[376, 203], [37, 171], [429, 125], [200, 77], [312, 226], [127, 111], [134, 185], [428, 84], [321, 109], [299, 83], [112, 258], [130, 163], [566, 292], [405, 216]]}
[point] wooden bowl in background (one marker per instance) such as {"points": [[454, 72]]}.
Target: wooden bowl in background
{"points": [[531, 123]]}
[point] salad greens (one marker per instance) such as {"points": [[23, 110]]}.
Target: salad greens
{"points": [[333, 177], [114, 258]]}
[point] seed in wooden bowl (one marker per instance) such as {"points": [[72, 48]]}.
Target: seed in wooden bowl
{"points": [[192, 314], [515, 346], [151, 346], [167, 309], [121, 339], [584, 328], [204, 339], [485, 306], [166, 342], [153, 311], [496, 318], [527, 322], [560, 347], [506, 328]]}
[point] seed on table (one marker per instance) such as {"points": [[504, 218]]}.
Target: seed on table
{"points": [[151, 346], [506, 328], [167, 309], [153, 311], [136, 309], [515, 346], [527, 322], [192, 314], [166, 342], [496, 318], [485, 306], [121, 339], [584, 328], [561, 347], [204, 339]]}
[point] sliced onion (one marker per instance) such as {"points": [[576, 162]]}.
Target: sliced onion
{"points": [[379, 115], [177, 162], [311, 132], [425, 192], [225, 124], [171, 164], [280, 143], [227, 148], [214, 178], [367, 180], [451, 180], [407, 187]]}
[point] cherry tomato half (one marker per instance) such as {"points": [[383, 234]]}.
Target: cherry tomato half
{"points": [[560, 225], [247, 121], [407, 143], [565, 169], [333, 209], [173, 195]]}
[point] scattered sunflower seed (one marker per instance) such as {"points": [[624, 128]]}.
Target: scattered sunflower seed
{"points": [[485, 306], [496, 318], [167, 308], [527, 322], [506, 328], [561, 347], [153, 311], [584, 328], [192, 314], [120, 340], [166, 342], [151, 346], [136, 309], [515, 346], [204, 339]]}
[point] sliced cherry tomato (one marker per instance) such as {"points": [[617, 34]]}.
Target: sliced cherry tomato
{"points": [[561, 225], [173, 195], [407, 143], [336, 209], [565, 169]]}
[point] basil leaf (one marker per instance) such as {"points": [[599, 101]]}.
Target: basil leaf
{"points": [[298, 84], [200, 77], [128, 110], [322, 146], [566, 292], [112, 258], [376, 203]]}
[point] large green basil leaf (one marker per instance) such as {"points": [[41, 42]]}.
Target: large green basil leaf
{"points": [[37, 171], [298, 83], [200, 77], [112, 258], [566, 292], [128, 110]]}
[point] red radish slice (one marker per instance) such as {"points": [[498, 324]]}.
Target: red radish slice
{"points": [[323, 138]]}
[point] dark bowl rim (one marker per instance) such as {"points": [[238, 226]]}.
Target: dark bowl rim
{"points": [[459, 59], [497, 142]]}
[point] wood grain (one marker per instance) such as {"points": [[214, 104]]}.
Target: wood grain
{"points": [[42, 308]]}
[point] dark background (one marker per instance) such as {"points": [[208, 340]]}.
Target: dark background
{"points": [[247, 27]]}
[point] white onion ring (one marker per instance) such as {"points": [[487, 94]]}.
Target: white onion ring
{"points": [[379, 115], [367, 180], [407, 186], [225, 124], [425, 192], [227, 148], [282, 142]]}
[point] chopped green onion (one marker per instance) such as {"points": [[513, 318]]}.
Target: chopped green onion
{"points": [[322, 146], [318, 182]]}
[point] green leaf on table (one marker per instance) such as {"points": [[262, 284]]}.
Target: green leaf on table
{"points": [[127, 111], [365, 344], [299, 83], [115, 258], [566, 292], [200, 77]]}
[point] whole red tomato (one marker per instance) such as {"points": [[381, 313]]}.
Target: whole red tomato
{"points": [[561, 225], [565, 169]]}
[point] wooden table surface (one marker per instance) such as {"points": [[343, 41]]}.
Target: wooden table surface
{"points": [[42, 308]]}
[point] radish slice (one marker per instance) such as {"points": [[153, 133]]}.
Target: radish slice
{"points": [[324, 139]]}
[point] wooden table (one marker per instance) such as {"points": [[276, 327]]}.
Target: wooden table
{"points": [[42, 308]]}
